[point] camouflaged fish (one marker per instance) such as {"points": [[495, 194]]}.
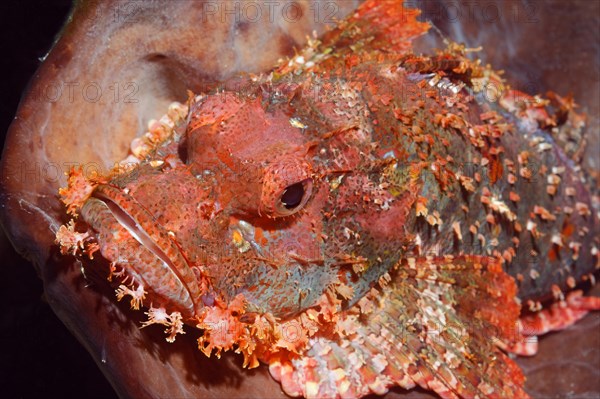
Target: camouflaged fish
{"points": [[360, 218]]}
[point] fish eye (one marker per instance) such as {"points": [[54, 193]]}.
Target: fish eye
{"points": [[287, 186], [294, 196]]}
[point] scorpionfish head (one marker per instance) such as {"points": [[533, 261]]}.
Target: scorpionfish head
{"points": [[275, 194]]}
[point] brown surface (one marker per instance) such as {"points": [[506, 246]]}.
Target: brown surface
{"points": [[109, 43]]}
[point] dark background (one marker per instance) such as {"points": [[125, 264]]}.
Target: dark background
{"points": [[38, 357]]}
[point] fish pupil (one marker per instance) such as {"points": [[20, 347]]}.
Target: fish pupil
{"points": [[292, 196]]}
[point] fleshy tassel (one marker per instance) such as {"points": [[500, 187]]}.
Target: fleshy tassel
{"points": [[174, 321], [72, 242]]}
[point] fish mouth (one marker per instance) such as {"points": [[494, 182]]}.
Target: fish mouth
{"points": [[130, 237], [134, 229]]}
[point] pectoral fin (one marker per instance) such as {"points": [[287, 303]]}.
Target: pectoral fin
{"points": [[432, 322]]}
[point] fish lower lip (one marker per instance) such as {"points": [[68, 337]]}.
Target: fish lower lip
{"points": [[177, 284]]}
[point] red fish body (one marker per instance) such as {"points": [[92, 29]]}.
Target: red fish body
{"points": [[361, 217]]}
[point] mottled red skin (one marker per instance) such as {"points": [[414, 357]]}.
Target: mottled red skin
{"points": [[234, 143], [235, 139]]}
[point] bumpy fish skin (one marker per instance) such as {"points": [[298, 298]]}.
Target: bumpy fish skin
{"points": [[353, 219]]}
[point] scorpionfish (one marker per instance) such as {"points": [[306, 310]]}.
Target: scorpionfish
{"points": [[359, 218]]}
